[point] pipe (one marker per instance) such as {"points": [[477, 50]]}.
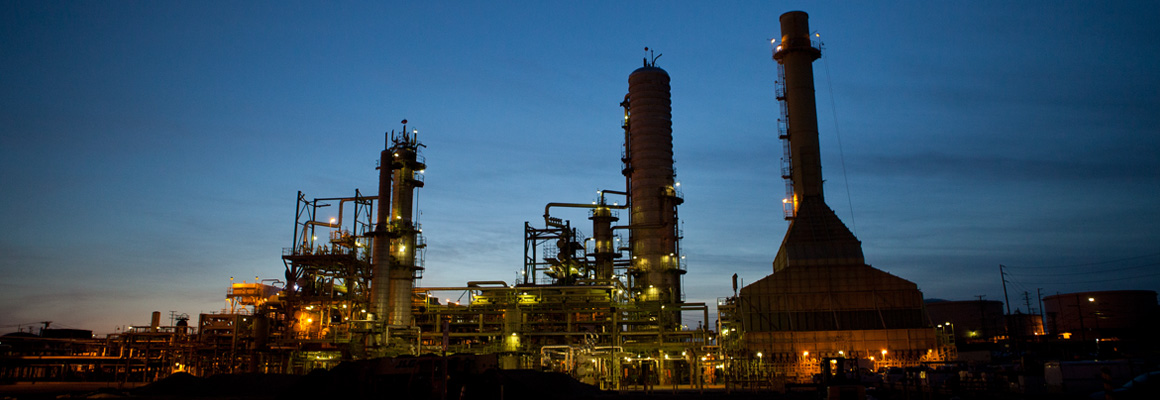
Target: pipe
{"points": [[481, 283], [338, 220], [602, 220]]}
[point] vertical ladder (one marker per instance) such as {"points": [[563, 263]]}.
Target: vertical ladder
{"points": [[788, 205]]}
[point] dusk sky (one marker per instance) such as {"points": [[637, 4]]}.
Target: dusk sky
{"points": [[149, 151]]}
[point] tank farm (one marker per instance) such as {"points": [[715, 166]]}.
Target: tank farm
{"points": [[606, 308]]}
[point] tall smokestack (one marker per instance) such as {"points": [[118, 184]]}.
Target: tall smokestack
{"points": [[652, 194], [796, 55], [816, 236]]}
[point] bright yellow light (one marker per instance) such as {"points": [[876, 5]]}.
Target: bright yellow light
{"points": [[805, 354], [1091, 299], [883, 352], [759, 354], [310, 320], [332, 220]]}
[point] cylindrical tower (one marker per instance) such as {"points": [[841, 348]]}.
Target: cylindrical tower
{"points": [[652, 196], [381, 245], [405, 233], [604, 246], [796, 54]]}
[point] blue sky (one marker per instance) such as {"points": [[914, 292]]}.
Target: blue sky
{"points": [[149, 151]]}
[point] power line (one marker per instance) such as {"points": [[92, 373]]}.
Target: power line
{"points": [[841, 152], [1086, 264], [1099, 280], [1102, 271]]}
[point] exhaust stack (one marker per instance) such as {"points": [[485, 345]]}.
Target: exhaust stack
{"points": [[816, 236]]}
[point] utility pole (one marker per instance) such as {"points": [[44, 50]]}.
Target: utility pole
{"points": [[983, 326], [1042, 313], [1003, 276]]}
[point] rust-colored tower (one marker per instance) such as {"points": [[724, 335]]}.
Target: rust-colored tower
{"points": [[653, 196]]}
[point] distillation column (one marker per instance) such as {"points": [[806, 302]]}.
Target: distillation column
{"points": [[405, 233], [652, 196], [381, 250], [605, 246]]}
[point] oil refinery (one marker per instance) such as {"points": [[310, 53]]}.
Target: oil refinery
{"points": [[601, 300]]}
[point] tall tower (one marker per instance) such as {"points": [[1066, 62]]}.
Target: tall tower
{"points": [[653, 197], [381, 245], [397, 237], [822, 299], [816, 236], [406, 240]]}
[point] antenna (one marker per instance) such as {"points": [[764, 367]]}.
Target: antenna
{"points": [[651, 60]]}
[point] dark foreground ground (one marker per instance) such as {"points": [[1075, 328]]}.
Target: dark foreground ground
{"points": [[505, 385]]}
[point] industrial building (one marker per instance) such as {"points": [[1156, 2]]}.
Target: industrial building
{"points": [[1111, 315], [605, 307], [973, 321]]}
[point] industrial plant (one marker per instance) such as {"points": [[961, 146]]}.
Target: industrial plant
{"points": [[601, 300]]}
